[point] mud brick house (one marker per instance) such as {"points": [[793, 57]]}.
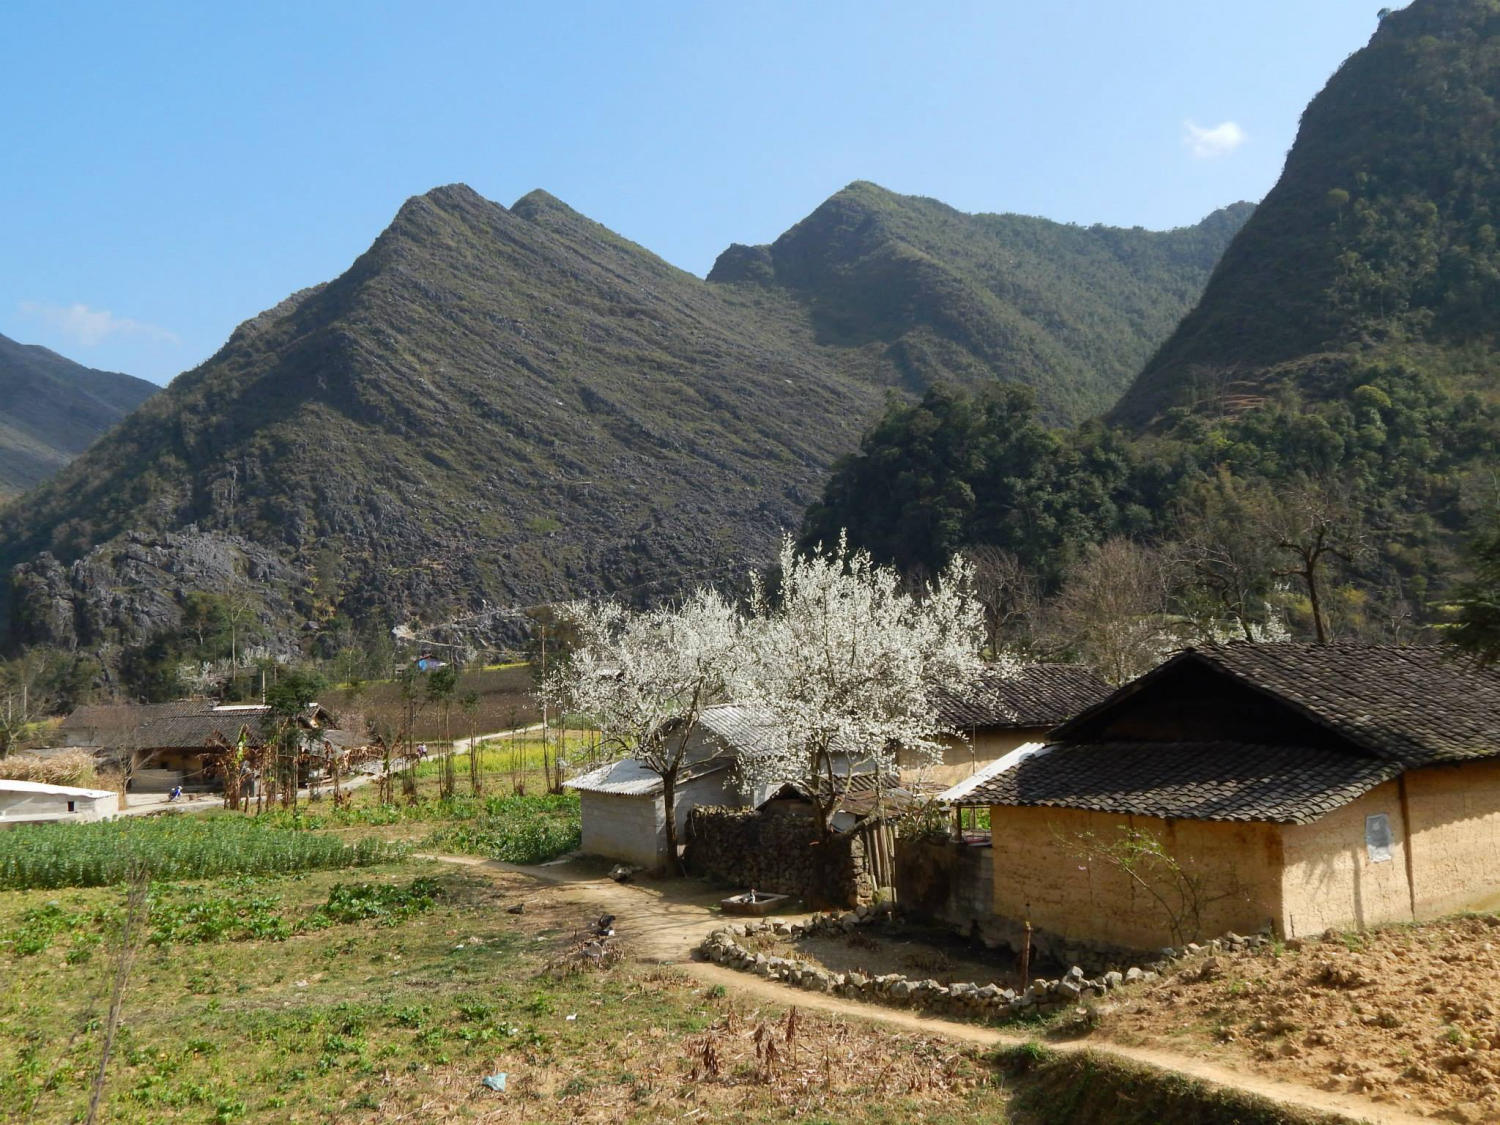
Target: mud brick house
{"points": [[1003, 712], [1299, 786], [166, 742]]}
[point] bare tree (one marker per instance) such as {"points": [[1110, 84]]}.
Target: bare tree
{"points": [[1008, 593], [1229, 561], [1317, 524], [1112, 610]]}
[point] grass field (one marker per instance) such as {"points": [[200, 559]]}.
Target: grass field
{"points": [[383, 1017]]}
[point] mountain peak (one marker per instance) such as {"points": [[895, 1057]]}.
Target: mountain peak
{"points": [[1379, 235]]}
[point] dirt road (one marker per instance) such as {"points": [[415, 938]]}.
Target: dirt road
{"points": [[662, 923]]}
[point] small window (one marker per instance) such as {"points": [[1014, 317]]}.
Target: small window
{"points": [[71, 807], [1378, 837]]}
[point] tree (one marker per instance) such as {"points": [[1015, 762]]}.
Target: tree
{"points": [[1112, 610], [1006, 590], [1230, 562], [468, 703], [1317, 523], [844, 666], [644, 679], [442, 686], [1478, 600], [287, 701]]}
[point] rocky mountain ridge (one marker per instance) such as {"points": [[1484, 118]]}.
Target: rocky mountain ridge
{"points": [[495, 407]]}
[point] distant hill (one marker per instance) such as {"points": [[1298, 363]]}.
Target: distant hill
{"points": [[496, 407], [926, 293], [1339, 377], [1378, 243], [52, 409]]}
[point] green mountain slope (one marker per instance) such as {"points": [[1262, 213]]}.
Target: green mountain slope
{"points": [[939, 295], [1339, 381], [1378, 242], [496, 407], [51, 409]]}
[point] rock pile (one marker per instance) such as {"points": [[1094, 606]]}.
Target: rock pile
{"points": [[1041, 996]]}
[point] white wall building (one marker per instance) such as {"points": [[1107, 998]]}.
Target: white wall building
{"points": [[23, 802]]}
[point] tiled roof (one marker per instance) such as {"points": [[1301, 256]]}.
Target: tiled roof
{"points": [[1412, 705], [116, 717], [1036, 695], [154, 726], [1190, 780]]}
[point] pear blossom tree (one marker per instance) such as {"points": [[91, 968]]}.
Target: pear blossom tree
{"points": [[844, 664], [645, 677]]}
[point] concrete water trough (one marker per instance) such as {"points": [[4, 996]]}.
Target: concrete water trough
{"points": [[753, 903]]}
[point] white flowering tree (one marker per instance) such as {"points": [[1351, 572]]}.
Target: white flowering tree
{"points": [[844, 664], [645, 677]]}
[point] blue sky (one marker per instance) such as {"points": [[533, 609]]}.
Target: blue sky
{"points": [[169, 171]]}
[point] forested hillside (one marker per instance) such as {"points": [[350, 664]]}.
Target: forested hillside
{"points": [[1315, 444], [1377, 246], [498, 407], [51, 409], [924, 292]]}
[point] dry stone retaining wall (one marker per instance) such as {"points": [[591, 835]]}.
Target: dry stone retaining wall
{"points": [[1041, 996], [777, 852]]}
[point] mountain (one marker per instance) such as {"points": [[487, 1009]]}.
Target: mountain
{"points": [[497, 407], [933, 294], [1320, 432], [52, 409], [1377, 244]]}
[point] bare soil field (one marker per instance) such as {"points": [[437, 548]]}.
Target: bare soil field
{"points": [[504, 703], [1406, 1015]]}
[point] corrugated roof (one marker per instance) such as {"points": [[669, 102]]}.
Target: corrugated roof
{"points": [[1034, 695], [956, 794], [10, 785], [630, 778], [1190, 780]]}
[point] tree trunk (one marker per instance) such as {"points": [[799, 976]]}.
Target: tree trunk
{"points": [[669, 803], [1310, 576]]}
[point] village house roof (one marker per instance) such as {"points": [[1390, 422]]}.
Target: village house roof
{"points": [[1190, 780], [10, 785], [1415, 705], [1342, 720], [184, 724], [1034, 695], [629, 777]]}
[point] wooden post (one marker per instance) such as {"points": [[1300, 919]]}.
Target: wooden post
{"points": [[1026, 954]]}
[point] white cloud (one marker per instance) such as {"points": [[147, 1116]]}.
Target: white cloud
{"points": [[1206, 144], [88, 327]]}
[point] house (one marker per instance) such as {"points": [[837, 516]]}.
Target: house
{"points": [[622, 804], [32, 802], [1298, 787], [166, 741], [1002, 712]]}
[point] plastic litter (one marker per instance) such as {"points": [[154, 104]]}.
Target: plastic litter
{"points": [[494, 1081], [574, 1016]]}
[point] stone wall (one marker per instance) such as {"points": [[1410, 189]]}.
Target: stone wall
{"points": [[776, 851], [950, 883], [990, 1001]]}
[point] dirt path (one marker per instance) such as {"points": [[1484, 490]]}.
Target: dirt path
{"points": [[663, 924]]}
